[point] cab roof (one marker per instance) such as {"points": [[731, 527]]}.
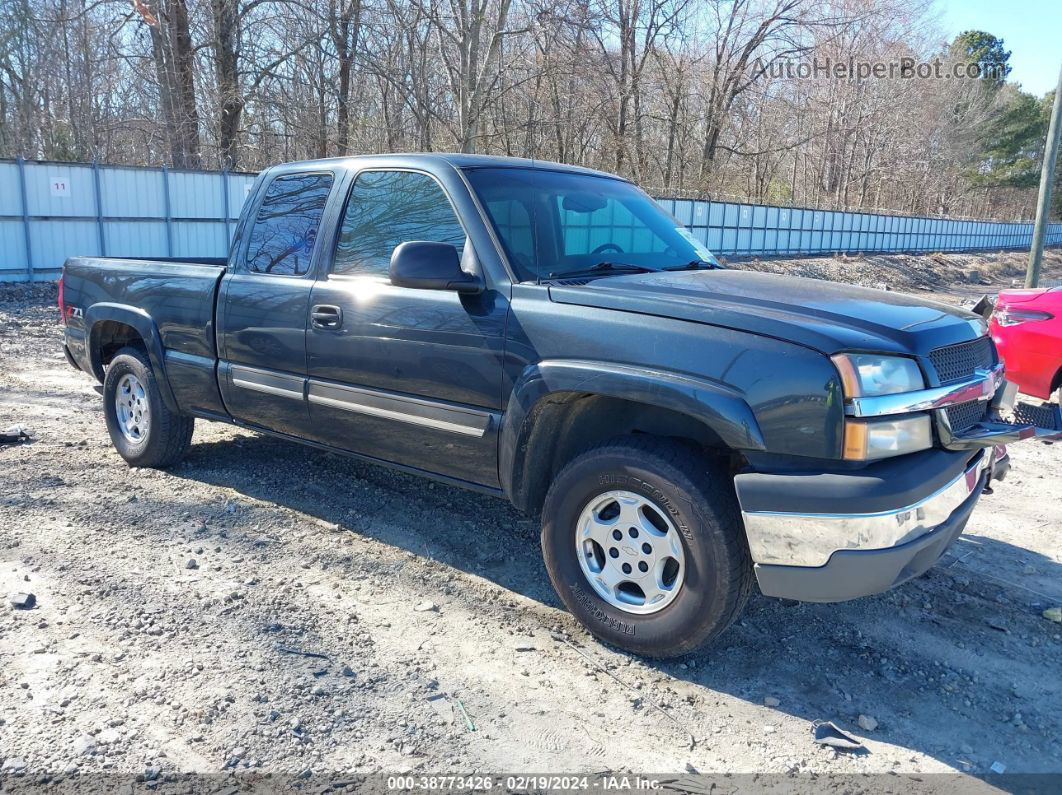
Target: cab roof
{"points": [[453, 159]]}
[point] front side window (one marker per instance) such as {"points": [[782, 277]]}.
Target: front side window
{"points": [[553, 222], [285, 228], [386, 208]]}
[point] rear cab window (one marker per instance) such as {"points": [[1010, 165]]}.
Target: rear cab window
{"points": [[284, 233]]}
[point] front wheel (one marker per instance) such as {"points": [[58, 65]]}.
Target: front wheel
{"points": [[643, 541], [143, 429]]}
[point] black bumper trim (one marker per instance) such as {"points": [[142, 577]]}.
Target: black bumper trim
{"points": [[882, 486], [70, 358], [850, 574]]}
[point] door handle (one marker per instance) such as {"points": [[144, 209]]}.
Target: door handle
{"points": [[326, 316]]}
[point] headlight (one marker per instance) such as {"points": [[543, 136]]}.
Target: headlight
{"points": [[869, 374], [866, 440]]}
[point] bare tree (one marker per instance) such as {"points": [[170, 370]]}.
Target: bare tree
{"points": [[688, 97], [469, 35], [171, 47]]}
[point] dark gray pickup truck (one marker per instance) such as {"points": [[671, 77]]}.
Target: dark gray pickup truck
{"points": [[549, 335]]}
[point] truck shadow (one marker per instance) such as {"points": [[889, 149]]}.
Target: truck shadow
{"points": [[954, 665]]}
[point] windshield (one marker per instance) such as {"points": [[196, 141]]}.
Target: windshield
{"points": [[553, 223]]}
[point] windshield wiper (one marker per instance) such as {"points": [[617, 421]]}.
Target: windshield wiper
{"points": [[600, 269], [695, 265]]}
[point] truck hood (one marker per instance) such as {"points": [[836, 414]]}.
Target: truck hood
{"points": [[826, 316]]}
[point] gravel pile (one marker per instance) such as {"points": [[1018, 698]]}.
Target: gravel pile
{"points": [[914, 272]]}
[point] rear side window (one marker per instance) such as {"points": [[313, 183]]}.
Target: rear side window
{"points": [[386, 208], [285, 228]]}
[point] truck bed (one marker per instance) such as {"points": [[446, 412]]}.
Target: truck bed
{"points": [[176, 297]]}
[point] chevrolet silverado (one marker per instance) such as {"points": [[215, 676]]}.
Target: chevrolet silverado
{"points": [[548, 334]]}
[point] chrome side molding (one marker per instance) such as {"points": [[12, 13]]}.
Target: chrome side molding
{"points": [[441, 416], [415, 411], [267, 381]]}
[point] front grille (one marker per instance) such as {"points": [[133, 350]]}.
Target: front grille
{"points": [[1045, 415], [957, 362], [965, 415]]}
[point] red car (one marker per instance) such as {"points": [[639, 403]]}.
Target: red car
{"points": [[1027, 329]]}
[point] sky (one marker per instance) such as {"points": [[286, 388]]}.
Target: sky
{"points": [[1030, 29]]}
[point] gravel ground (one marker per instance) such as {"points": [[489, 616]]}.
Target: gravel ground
{"points": [[264, 607]]}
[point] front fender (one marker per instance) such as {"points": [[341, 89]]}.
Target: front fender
{"points": [[720, 407], [138, 319]]}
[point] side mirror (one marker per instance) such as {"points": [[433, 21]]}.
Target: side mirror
{"points": [[427, 265]]}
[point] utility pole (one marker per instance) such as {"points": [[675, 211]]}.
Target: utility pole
{"points": [[1047, 178]]}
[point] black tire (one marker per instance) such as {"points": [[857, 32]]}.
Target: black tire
{"points": [[168, 433], [699, 498]]}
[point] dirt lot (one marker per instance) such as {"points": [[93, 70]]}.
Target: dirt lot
{"points": [[266, 607]]}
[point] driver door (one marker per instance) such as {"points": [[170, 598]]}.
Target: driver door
{"points": [[411, 376]]}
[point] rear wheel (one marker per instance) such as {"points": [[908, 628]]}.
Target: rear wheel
{"points": [[145, 432], [643, 541]]}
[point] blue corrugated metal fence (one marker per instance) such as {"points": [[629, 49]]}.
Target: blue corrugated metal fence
{"points": [[50, 211], [753, 229]]}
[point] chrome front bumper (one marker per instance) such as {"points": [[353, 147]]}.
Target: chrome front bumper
{"points": [[918, 508], [810, 539]]}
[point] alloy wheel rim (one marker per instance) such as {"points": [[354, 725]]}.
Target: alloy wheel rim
{"points": [[132, 408], [630, 552]]}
